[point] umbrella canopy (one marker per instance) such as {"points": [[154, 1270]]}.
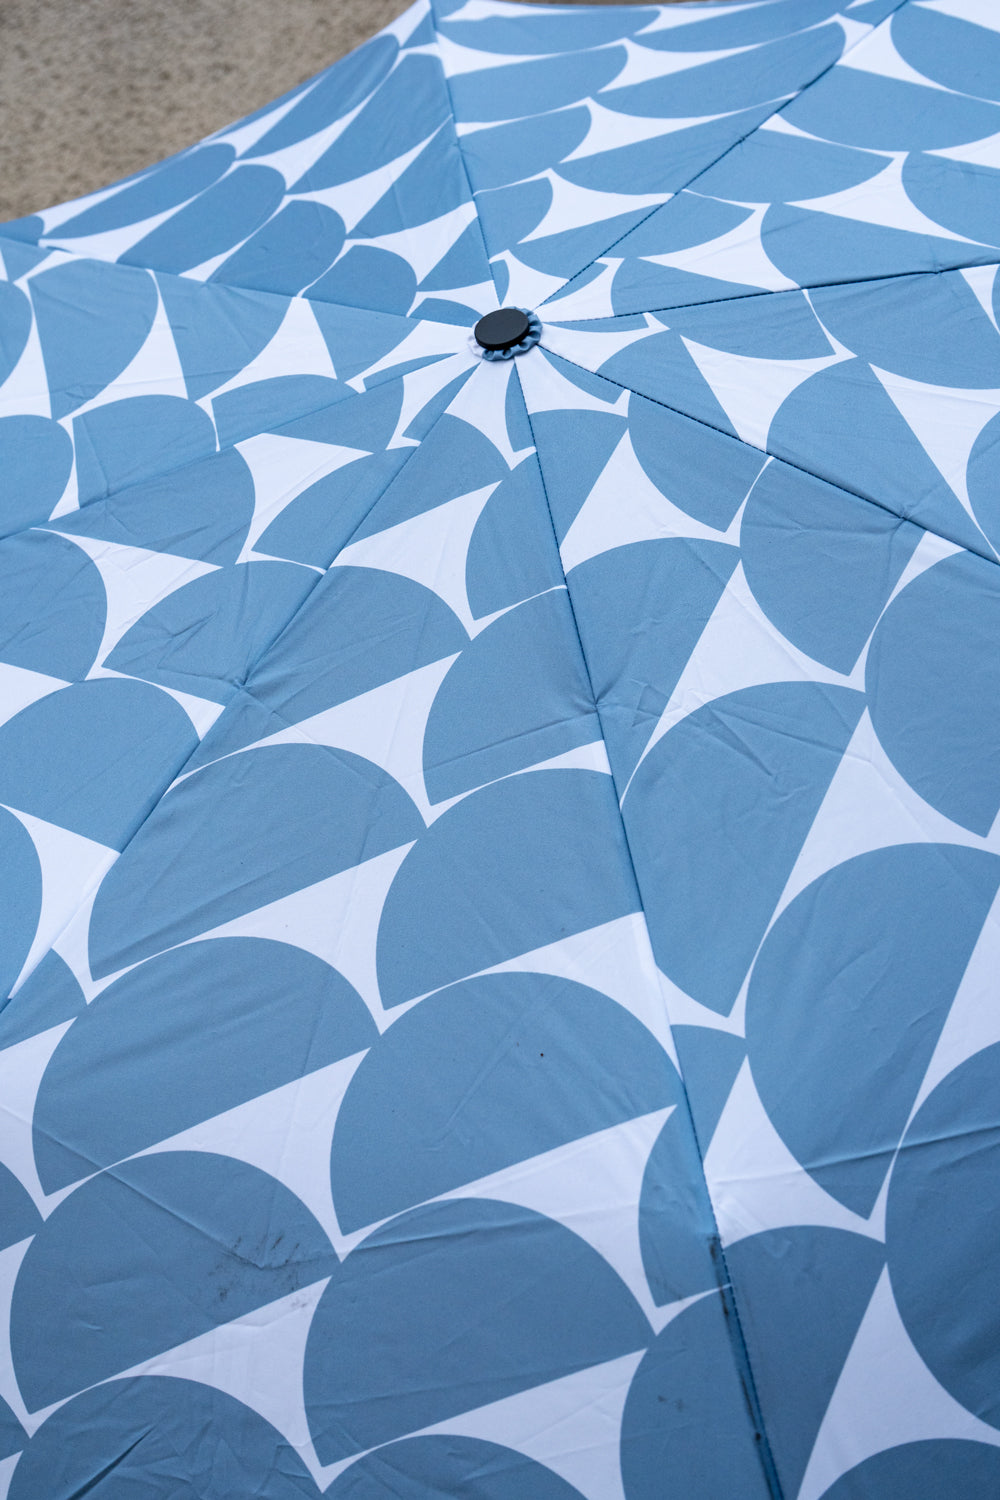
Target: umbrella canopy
{"points": [[499, 813]]}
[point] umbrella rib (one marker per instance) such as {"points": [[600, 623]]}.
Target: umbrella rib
{"points": [[684, 186], [726, 1287], [382, 378], [49, 243], [161, 474], [753, 293], [777, 458], [461, 154]]}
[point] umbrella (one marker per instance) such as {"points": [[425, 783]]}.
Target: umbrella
{"points": [[499, 775]]}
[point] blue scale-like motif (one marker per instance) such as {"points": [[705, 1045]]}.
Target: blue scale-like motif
{"points": [[500, 856]]}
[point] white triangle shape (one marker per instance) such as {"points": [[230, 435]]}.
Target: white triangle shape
{"points": [[20, 688], [155, 368], [946, 423], [751, 390], [286, 1133], [282, 468], [297, 346], [258, 1360], [977, 12], [572, 1425], [614, 958], [623, 507], [336, 919], [385, 725], [739, 648], [592, 1187], [886, 1396], [738, 255], [431, 548], [72, 869], [135, 579], [755, 1182], [883, 200], [21, 1068]]}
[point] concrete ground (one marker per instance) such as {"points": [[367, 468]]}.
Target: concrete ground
{"points": [[92, 90]]}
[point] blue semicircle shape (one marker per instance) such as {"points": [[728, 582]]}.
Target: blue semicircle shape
{"points": [[162, 188], [49, 996], [149, 1436], [907, 326], [728, 796], [841, 965], [333, 94], [361, 628], [216, 220], [802, 1292], [206, 636], [181, 1038], [923, 1470], [403, 111], [943, 1254], [511, 555], [514, 866], [821, 562], [482, 1075], [454, 1305], [137, 438], [856, 108], [202, 510], [548, 31], [933, 683], [19, 1218], [16, 312], [166, 186], [518, 695], [841, 425], [512, 90], [686, 1415], [421, 1467], [112, 746], [950, 50], [217, 330], [148, 1255], [36, 459], [240, 834], [52, 605], [92, 318], [640, 609], [676, 1225]]}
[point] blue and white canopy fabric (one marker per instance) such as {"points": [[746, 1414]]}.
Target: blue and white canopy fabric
{"points": [[500, 857]]}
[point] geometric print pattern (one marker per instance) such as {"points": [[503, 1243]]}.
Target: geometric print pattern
{"points": [[500, 858]]}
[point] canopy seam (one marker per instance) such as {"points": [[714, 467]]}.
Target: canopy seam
{"points": [[725, 1286], [723, 154], [180, 769], [259, 291], [754, 293], [790, 463], [52, 522], [461, 153]]}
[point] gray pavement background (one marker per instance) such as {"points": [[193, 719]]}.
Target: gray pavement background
{"points": [[92, 90]]}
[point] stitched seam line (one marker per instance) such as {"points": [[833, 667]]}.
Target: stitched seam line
{"points": [[179, 771], [752, 293], [461, 154], [723, 154], [790, 463], [738, 1341]]}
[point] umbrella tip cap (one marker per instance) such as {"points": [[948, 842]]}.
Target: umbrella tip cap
{"points": [[502, 329], [506, 332]]}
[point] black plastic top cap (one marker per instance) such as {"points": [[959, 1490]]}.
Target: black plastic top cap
{"points": [[502, 329]]}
